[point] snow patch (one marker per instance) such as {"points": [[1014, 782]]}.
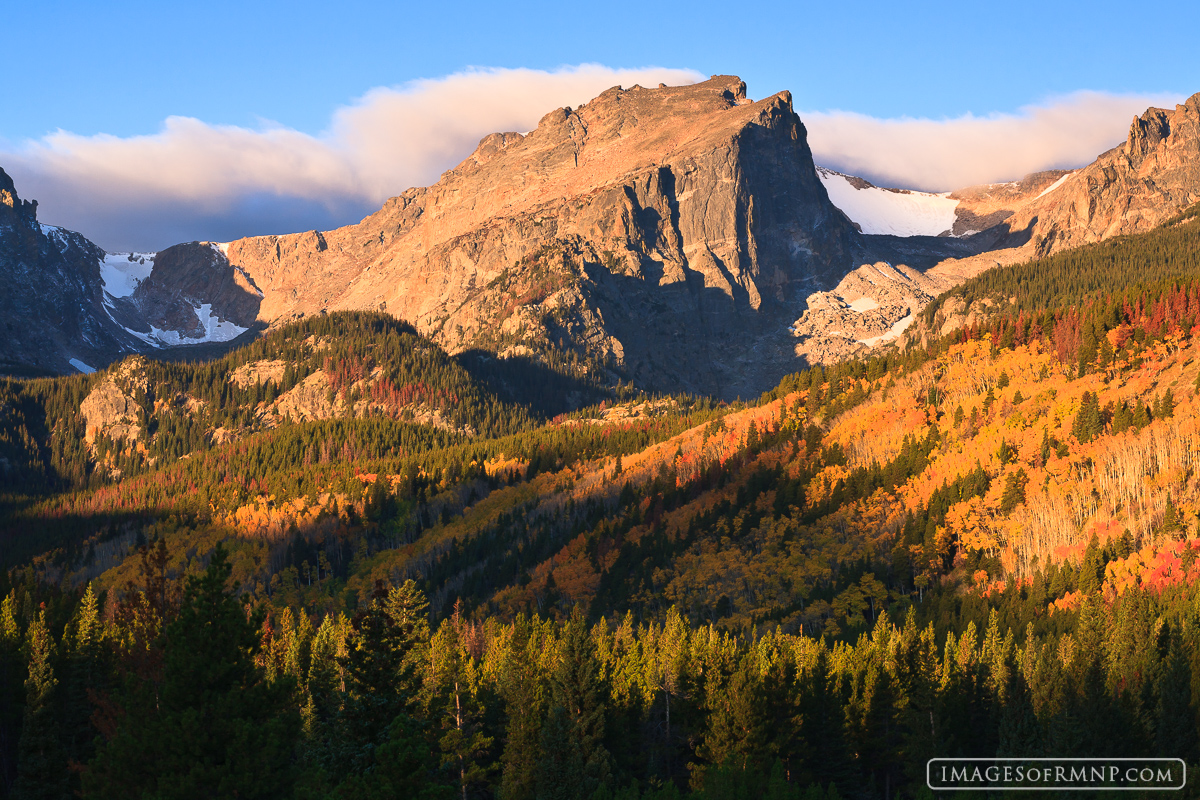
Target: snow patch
{"points": [[215, 330], [879, 211], [1054, 186], [148, 338], [82, 367], [122, 272], [864, 304], [898, 329], [56, 235]]}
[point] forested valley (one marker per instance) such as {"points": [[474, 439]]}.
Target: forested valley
{"points": [[340, 563]]}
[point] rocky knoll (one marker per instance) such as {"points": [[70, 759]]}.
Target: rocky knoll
{"points": [[873, 305], [668, 235]]}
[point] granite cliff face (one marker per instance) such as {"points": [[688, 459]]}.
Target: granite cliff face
{"points": [[663, 234]]}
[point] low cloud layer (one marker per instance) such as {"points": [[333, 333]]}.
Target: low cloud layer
{"points": [[192, 180], [942, 155]]}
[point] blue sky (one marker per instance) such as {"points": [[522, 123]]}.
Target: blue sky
{"points": [[121, 69]]}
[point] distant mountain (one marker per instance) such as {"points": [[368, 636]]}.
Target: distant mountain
{"points": [[51, 295], [1129, 189], [1132, 188], [70, 307]]}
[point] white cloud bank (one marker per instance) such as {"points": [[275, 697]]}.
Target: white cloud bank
{"points": [[193, 180], [942, 155]]}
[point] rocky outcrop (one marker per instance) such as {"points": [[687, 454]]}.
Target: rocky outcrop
{"points": [[661, 234], [111, 408], [259, 372], [871, 306], [986, 206]]}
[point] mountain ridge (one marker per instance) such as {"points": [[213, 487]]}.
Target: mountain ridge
{"points": [[636, 237]]}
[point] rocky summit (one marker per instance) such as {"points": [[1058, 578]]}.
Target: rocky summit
{"points": [[665, 235], [1130, 189]]}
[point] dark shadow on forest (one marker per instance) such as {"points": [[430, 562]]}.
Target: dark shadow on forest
{"points": [[24, 535], [527, 381]]}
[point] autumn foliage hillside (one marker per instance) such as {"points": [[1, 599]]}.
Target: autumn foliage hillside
{"points": [[1018, 444]]}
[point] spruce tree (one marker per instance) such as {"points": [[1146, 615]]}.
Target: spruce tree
{"points": [[579, 710], [525, 705], [85, 671], [1088, 424], [1014, 491], [41, 759], [387, 648], [454, 683], [1175, 719]]}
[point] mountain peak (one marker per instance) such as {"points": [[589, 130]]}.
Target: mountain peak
{"points": [[690, 207], [25, 209]]}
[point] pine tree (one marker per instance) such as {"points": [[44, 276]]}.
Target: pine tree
{"points": [[525, 704], [579, 705], [1014, 491], [1141, 416], [404, 766], [12, 690], [41, 759], [1166, 405], [560, 767], [1020, 732], [1172, 523], [1088, 424], [323, 683], [1175, 719], [387, 647], [737, 717], [823, 727], [85, 671], [454, 682]]}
